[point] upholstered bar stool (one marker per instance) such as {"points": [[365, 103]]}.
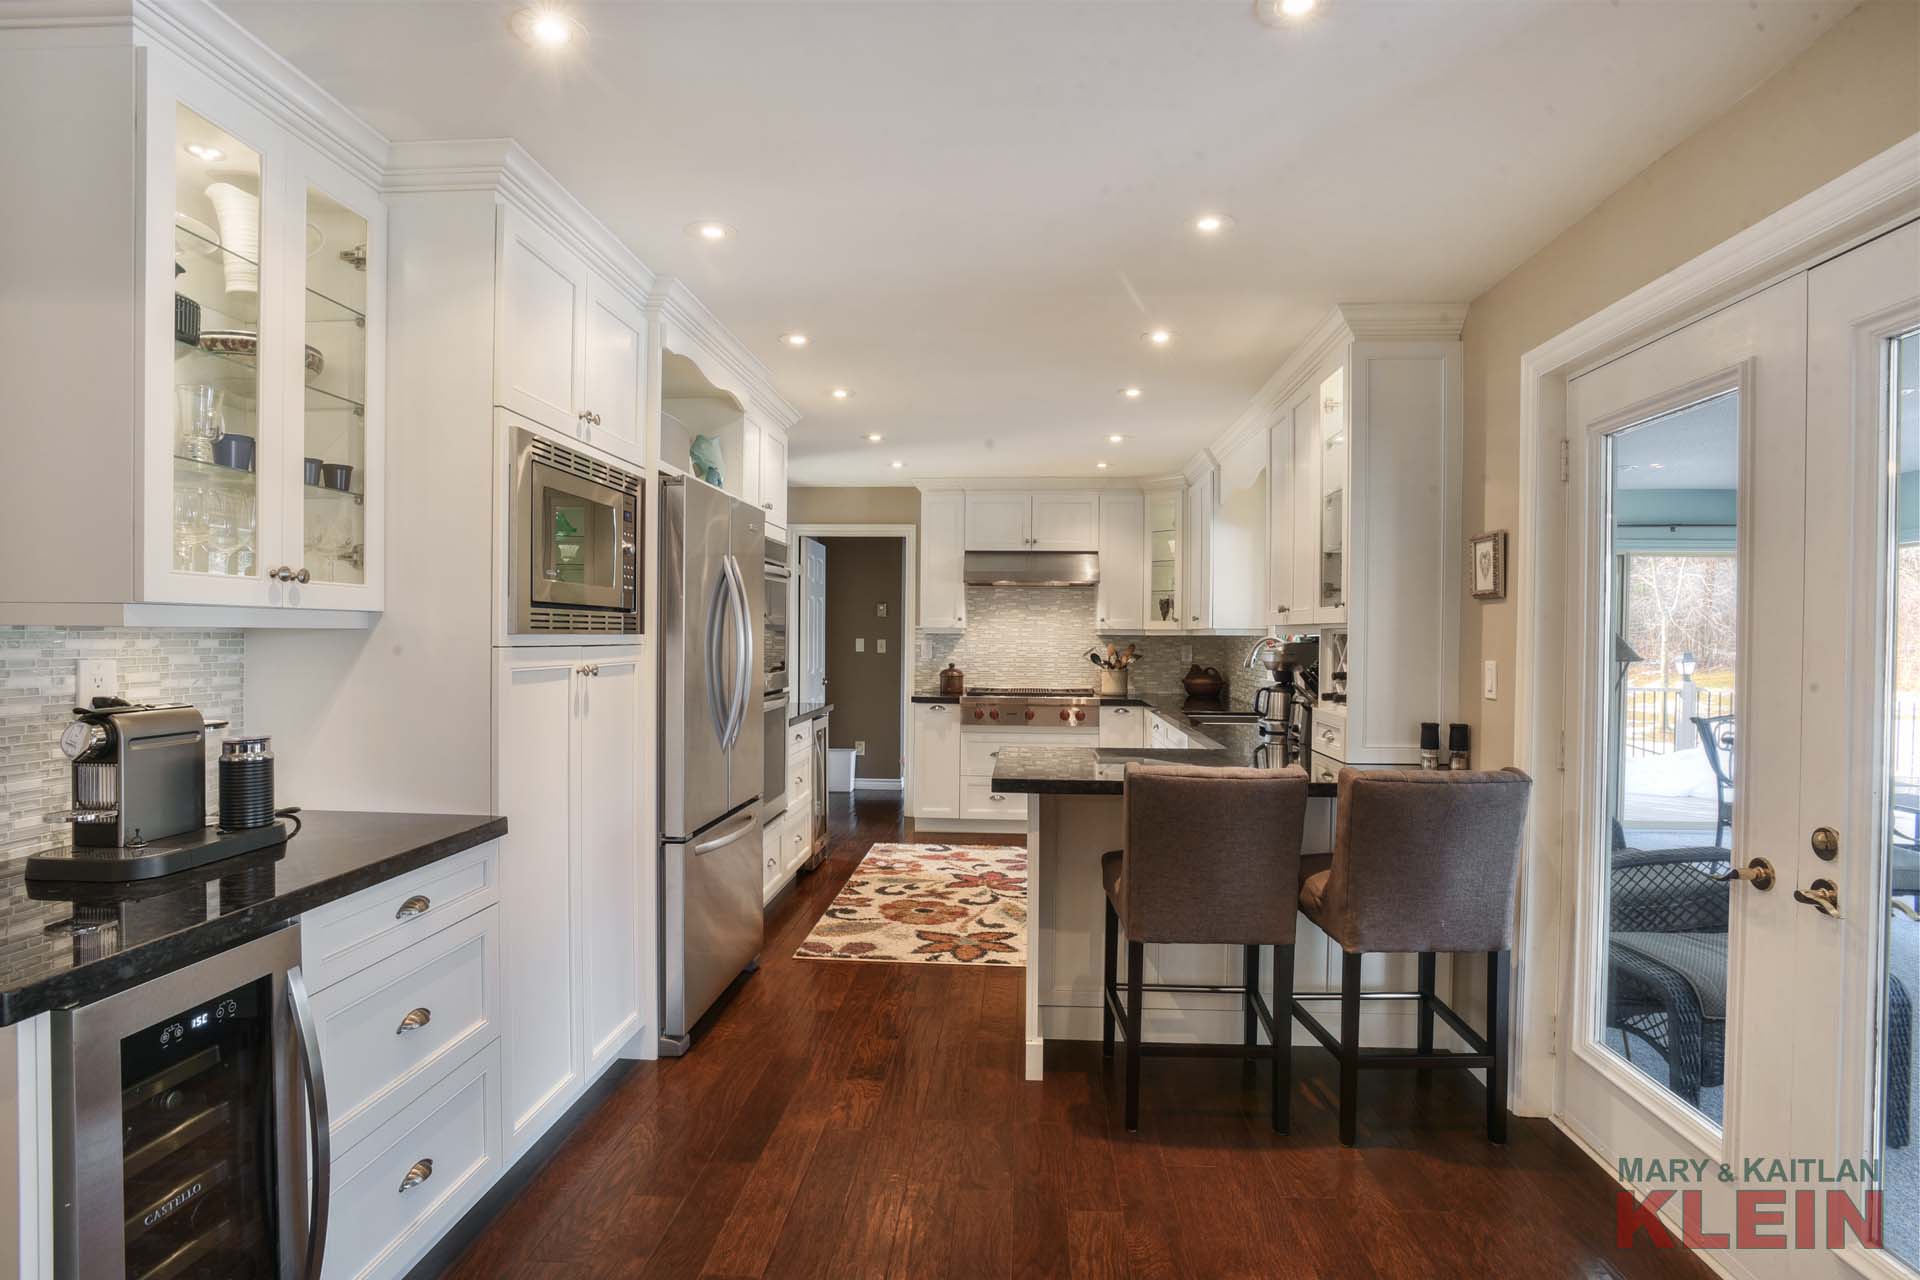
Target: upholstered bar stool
{"points": [[1212, 856], [1423, 861]]}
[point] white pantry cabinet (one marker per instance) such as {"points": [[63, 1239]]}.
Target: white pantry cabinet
{"points": [[570, 347], [772, 478], [567, 778], [1121, 605], [936, 761], [943, 551], [249, 270]]}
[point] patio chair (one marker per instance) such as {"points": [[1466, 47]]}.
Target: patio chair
{"points": [[1667, 974], [1716, 739]]}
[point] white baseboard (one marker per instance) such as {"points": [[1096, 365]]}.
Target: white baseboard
{"points": [[879, 784]]}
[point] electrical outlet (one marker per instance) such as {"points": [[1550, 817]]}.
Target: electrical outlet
{"points": [[880, 644], [880, 610], [859, 746], [98, 678], [859, 644], [1490, 680]]}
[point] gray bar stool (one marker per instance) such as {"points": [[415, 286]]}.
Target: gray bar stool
{"points": [[1212, 856], [1423, 861]]}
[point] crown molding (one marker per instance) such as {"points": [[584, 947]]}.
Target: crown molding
{"points": [[1407, 321], [676, 304]]}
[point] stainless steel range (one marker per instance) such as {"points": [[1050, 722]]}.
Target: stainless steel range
{"points": [[982, 707]]}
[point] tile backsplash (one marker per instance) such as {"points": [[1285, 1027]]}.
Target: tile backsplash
{"points": [[1037, 637], [37, 673]]}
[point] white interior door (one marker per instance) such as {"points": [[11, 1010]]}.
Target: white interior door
{"points": [[1743, 519], [813, 620]]}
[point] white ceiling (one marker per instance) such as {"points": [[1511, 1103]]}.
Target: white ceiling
{"points": [[975, 208]]}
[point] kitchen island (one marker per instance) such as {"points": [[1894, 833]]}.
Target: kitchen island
{"points": [[1076, 815]]}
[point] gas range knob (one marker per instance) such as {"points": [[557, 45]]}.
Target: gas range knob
{"points": [[1079, 715], [1029, 715], [978, 714], [995, 713], [1065, 714]]}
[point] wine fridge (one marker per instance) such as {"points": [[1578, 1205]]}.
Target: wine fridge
{"points": [[190, 1125]]}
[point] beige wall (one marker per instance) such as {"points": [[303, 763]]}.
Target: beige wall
{"points": [[1852, 94], [864, 687], [829, 505]]}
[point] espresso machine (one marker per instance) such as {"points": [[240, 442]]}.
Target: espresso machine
{"points": [[1285, 706], [139, 786]]}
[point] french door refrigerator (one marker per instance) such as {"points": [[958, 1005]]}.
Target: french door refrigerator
{"points": [[711, 581]]}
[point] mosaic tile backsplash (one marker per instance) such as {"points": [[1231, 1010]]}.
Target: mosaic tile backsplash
{"points": [[1037, 637], [37, 672]]}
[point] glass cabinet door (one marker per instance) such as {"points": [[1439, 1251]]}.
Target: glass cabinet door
{"points": [[333, 453], [217, 185], [1333, 491], [1163, 550]]}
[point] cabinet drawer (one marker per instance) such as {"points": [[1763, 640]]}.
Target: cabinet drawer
{"points": [[977, 752], [380, 1224], [795, 837], [978, 799], [1323, 768], [800, 739], [772, 853], [344, 937], [389, 1030], [799, 783], [1330, 738]]}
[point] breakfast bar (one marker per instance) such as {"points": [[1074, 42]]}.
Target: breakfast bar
{"points": [[1076, 815]]}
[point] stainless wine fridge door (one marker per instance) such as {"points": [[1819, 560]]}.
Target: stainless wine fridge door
{"points": [[180, 1120]]}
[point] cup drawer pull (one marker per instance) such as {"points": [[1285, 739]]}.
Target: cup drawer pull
{"points": [[419, 1173], [415, 1019], [413, 906]]}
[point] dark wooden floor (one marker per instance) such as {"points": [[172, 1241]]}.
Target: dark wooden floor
{"points": [[845, 1119]]}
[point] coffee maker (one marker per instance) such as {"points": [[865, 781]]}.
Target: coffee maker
{"points": [[139, 785], [1285, 707]]}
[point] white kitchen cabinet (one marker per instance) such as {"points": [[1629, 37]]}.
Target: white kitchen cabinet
{"points": [[772, 854], [210, 337], [1121, 602], [1064, 521], [773, 476], [999, 522], [1123, 726], [612, 413], [1306, 508], [1331, 604], [1280, 519], [943, 554], [611, 859], [936, 760], [1166, 508], [568, 780], [1195, 570], [1164, 735]]}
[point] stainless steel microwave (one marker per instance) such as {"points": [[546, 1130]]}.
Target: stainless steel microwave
{"points": [[574, 535]]}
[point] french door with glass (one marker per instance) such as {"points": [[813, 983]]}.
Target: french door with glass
{"points": [[1743, 740]]}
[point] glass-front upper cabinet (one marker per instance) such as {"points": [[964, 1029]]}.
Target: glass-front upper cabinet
{"points": [[1332, 601], [335, 497], [218, 181], [1163, 558]]}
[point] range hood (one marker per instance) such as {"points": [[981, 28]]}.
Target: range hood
{"points": [[1032, 569]]}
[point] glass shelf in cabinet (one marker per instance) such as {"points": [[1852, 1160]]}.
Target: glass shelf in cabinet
{"points": [[213, 472], [322, 309], [333, 495], [207, 271]]}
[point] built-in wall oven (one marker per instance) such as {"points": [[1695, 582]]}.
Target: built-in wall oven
{"points": [[188, 1113], [573, 539], [779, 580]]}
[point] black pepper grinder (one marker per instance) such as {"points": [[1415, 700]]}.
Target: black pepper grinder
{"points": [[1429, 744], [1457, 753]]}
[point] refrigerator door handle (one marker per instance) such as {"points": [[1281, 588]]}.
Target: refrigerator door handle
{"points": [[716, 677], [743, 826], [742, 652], [319, 1119]]}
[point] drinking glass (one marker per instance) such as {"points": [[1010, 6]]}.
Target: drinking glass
{"points": [[202, 417], [189, 528], [223, 533]]}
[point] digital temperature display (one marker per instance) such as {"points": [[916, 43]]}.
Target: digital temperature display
{"points": [[200, 1020]]}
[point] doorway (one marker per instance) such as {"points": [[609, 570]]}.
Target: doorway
{"points": [[1741, 673]]}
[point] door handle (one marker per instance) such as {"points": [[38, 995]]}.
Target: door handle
{"points": [[319, 1119], [415, 1019], [1823, 896], [1758, 873], [742, 826]]}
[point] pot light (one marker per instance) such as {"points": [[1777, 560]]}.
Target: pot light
{"points": [[544, 28], [794, 339], [1116, 439], [841, 393], [1212, 224], [1100, 466], [1296, 8], [712, 232], [874, 437], [897, 464], [1131, 393], [200, 151], [1158, 337]]}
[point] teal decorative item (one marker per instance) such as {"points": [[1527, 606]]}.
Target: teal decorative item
{"points": [[705, 457]]}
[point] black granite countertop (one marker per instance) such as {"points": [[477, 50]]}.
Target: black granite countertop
{"points": [[1106, 700], [62, 945], [802, 711]]}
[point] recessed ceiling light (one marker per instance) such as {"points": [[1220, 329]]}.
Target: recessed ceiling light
{"points": [[1116, 439], [710, 231], [874, 437], [841, 393], [1210, 224], [1158, 337], [1101, 465], [1296, 8], [200, 151], [1656, 466], [794, 339], [1131, 393], [546, 28], [897, 464]]}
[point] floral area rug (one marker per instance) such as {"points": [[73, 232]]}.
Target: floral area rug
{"points": [[928, 904]]}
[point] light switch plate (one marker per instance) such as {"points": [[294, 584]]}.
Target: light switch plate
{"points": [[880, 644], [97, 678], [859, 644], [880, 610], [1490, 680], [859, 746]]}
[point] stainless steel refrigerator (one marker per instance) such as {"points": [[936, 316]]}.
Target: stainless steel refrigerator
{"points": [[711, 550]]}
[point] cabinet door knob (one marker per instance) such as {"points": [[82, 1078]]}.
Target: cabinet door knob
{"points": [[413, 906], [419, 1173], [415, 1019], [283, 574], [766, 506], [303, 577]]}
